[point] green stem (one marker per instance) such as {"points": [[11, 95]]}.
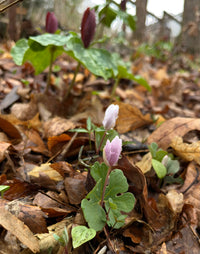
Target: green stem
{"points": [[114, 87], [50, 69], [73, 80], [104, 187], [98, 149]]}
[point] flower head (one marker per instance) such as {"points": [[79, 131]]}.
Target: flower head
{"points": [[110, 117], [88, 26], [51, 23], [112, 150]]}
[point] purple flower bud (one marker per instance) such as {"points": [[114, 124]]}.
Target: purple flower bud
{"points": [[110, 117], [51, 23], [112, 150], [88, 26]]}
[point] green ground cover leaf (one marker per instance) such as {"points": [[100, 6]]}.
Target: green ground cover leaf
{"points": [[19, 50], [98, 61], [82, 234], [159, 168], [115, 199], [50, 39], [40, 59]]}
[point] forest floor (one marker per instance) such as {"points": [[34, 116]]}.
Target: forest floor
{"points": [[40, 158]]}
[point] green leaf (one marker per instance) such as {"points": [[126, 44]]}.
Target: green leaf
{"points": [[99, 132], [107, 15], [124, 202], [124, 73], [40, 59], [131, 21], [19, 50], [114, 203], [89, 124], [99, 171], [97, 61], [160, 154], [81, 235], [159, 168], [48, 39], [172, 179], [3, 188], [173, 166], [94, 214], [153, 149], [141, 81]]}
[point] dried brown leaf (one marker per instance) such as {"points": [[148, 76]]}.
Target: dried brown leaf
{"points": [[130, 118], [188, 152], [177, 126], [11, 131], [47, 170], [3, 148], [35, 142], [176, 200], [19, 229], [56, 140], [57, 126], [75, 189], [145, 164], [191, 188]]}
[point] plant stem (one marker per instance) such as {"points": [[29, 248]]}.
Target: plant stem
{"points": [[114, 87], [104, 187], [73, 80], [111, 247], [98, 149], [50, 69]]}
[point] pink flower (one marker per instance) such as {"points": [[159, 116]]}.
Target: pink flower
{"points": [[51, 23], [110, 117], [112, 150], [88, 26]]}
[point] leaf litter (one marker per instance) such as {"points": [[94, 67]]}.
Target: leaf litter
{"points": [[47, 185]]}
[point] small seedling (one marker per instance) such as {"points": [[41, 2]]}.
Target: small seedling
{"points": [[164, 164], [3, 188]]}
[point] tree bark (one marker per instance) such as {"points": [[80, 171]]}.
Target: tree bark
{"points": [[190, 35], [12, 27], [141, 12]]}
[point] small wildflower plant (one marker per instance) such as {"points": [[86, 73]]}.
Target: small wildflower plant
{"points": [[105, 203], [164, 164], [42, 51]]}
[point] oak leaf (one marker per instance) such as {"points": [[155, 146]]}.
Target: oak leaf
{"points": [[188, 152], [177, 126], [130, 118]]}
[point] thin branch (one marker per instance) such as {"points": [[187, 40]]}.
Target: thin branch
{"points": [[10, 5]]}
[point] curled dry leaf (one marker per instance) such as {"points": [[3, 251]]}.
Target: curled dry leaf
{"points": [[47, 241], [188, 152], [35, 142], [145, 164], [57, 126], [10, 130], [177, 126], [191, 188], [3, 148], [176, 200], [57, 141], [75, 188], [130, 118], [11, 223], [31, 215], [44, 175]]}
